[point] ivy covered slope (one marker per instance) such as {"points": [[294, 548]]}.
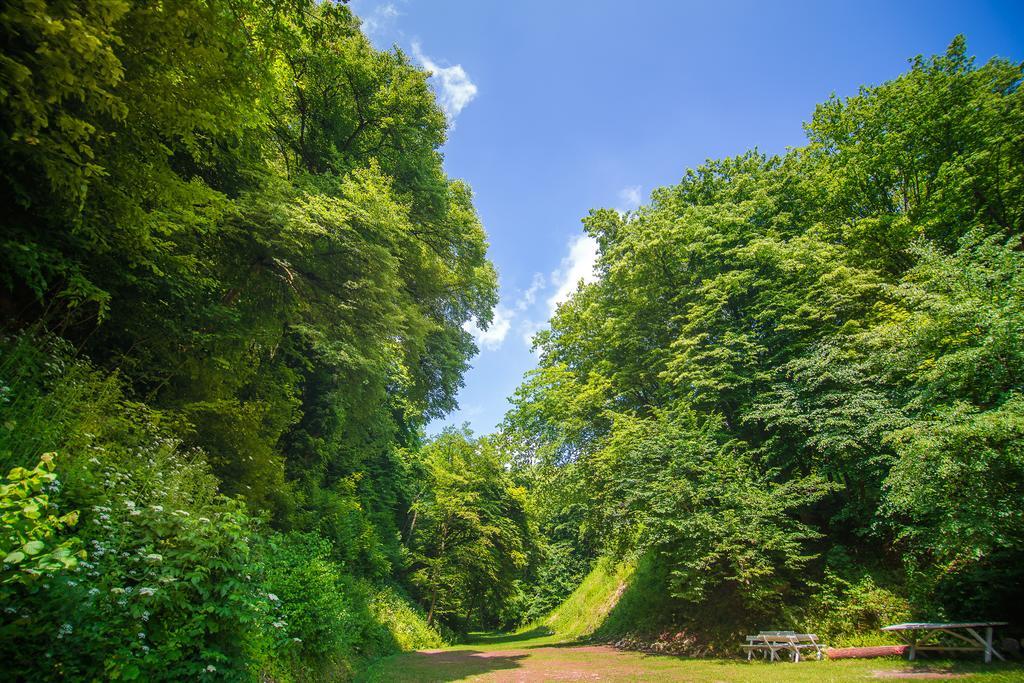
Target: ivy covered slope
{"points": [[797, 388], [233, 283]]}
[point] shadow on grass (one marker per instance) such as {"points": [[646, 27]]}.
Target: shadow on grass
{"points": [[503, 638], [435, 666], [539, 637]]}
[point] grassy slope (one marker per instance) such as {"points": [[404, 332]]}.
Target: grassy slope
{"points": [[587, 609], [406, 625], [628, 603]]}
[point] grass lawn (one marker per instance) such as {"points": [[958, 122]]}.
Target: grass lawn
{"points": [[537, 656]]}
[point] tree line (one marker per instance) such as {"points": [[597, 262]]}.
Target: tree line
{"points": [[796, 387], [234, 282], [235, 279]]}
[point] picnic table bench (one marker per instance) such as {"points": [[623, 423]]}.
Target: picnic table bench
{"points": [[916, 633], [771, 643]]}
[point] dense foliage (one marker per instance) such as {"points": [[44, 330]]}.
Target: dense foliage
{"points": [[468, 531], [234, 279], [802, 375], [235, 283]]}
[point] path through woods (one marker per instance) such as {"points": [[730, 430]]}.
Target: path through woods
{"points": [[525, 658]]}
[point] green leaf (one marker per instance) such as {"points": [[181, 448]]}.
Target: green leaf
{"points": [[33, 547], [15, 557]]}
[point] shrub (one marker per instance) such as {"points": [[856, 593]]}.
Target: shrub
{"points": [[163, 593], [402, 625], [319, 614], [852, 610], [165, 579], [29, 526]]}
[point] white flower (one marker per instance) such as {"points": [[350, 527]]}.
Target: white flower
{"points": [[145, 590], [211, 668], [278, 624], [154, 557], [297, 640], [272, 597]]}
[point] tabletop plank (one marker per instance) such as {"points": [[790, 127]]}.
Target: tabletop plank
{"points": [[965, 624]]}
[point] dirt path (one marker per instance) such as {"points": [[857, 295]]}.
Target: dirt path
{"points": [[582, 663], [525, 660]]}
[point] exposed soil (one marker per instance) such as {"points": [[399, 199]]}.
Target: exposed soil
{"points": [[923, 674], [526, 660], [598, 662]]}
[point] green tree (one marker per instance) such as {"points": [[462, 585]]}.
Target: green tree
{"points": [[846, 316], [468, 531]]}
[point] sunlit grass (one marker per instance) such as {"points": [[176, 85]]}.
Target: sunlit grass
{"points": [[537, 655]]}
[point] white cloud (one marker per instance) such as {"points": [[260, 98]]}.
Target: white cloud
{"points": [[380, 19], [530, 295], [630, 198], [527, 329], [578, 265], [472, 411], [494, 336], [456, 89]]}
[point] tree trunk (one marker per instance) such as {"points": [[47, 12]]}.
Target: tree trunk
{"points": [[437, 564]]}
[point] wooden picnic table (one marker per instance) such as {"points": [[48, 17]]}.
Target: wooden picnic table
{"points": [[916, 633], [770, 643]]}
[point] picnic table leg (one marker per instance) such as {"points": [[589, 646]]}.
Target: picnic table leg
{"points": [[986, 644], [912, 653]]}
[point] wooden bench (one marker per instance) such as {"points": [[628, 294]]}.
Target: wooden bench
{"points": [[771, 643]]}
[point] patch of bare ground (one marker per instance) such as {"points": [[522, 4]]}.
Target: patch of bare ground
{"points": [[587, 663], [925, 674]]}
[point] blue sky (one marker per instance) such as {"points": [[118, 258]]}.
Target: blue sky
{"points": [[560, 107]]}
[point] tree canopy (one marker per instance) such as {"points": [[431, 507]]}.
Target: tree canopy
{"points": [[236, 284], [800, 358]]}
